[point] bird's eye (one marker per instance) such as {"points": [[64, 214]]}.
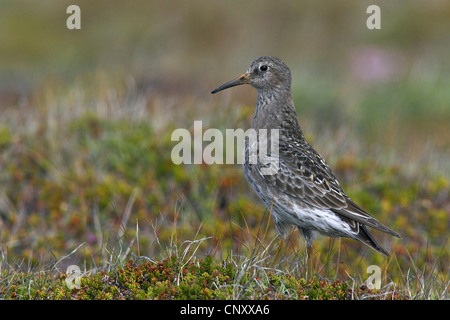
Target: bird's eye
{"points": [[263, 68]]}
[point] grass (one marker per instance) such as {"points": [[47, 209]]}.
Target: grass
{"points": [[183, 275], [258, 273]]}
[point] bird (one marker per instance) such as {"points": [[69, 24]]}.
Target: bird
{"points": [[303, 191]]}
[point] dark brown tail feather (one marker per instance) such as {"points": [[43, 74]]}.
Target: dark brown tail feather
{"points": [[366, 237]]}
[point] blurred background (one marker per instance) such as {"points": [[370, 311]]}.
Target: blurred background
{"points": [[388, 80], [86, 117]]}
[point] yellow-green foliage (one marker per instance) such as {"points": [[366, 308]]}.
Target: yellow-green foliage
{"points": [[108, 183], [168, 279]]}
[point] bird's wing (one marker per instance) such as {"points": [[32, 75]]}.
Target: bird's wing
{"points": [[303, 174]]}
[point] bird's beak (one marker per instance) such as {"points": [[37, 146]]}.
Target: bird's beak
{"points": [[242, 79]]}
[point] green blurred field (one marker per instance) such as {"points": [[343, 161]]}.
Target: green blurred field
{"points": [[86, 118]]}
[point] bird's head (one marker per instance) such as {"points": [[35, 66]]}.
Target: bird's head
{"points": [[264, 73]]}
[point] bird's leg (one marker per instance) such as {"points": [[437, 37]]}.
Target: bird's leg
{"points": [[308, 252]]}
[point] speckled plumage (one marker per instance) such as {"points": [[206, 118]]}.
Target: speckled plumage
{"points": [[303, 192]]}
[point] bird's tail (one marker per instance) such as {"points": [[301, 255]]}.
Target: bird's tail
{"points": [[366, 237]]}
